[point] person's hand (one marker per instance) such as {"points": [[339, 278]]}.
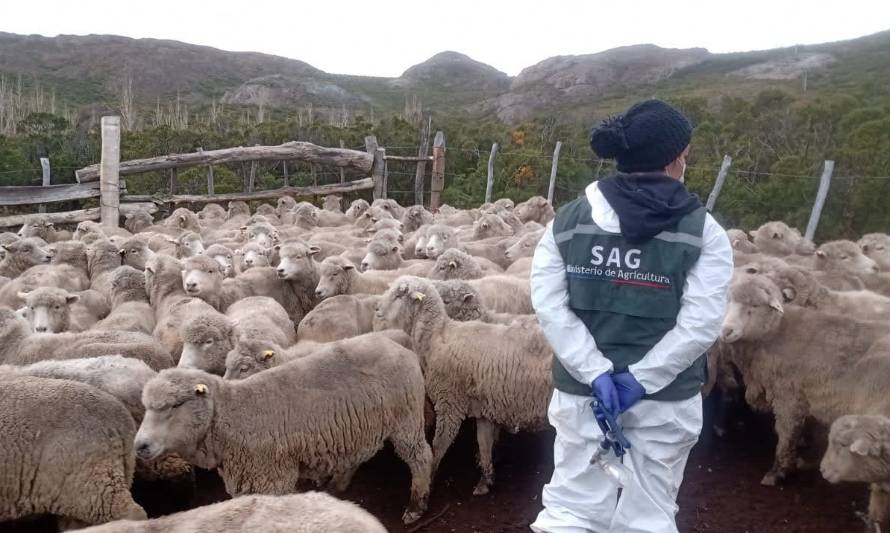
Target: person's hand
{"points": [[628, 389], [604, 391]]}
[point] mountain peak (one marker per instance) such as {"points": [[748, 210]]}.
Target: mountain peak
{"points": [[451, 69]]}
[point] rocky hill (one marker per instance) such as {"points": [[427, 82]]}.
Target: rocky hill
{"points": [[89, 70]]}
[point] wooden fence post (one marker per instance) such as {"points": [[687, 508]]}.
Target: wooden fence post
{"points": [[824, 183], [718, 185], [552, 188], [377, 169], [437, 179], [342, 170], [44, 166], [251, 181], [109, 174], [286, 179], [422, 151], [489, 183], [171, 181]]}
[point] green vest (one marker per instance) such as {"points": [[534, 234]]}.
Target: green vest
{"points": [[628, 295]]}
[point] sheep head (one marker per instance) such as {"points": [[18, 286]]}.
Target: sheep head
{"points": [[844, 256], [179, 406], [858, 449], [206, 341], [755, 310], [334, 275], [202, 277], [250, 356], [48, 309]]}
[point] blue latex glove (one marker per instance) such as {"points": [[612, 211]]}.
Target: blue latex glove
{"points": [[629, 390], [604, 391]]}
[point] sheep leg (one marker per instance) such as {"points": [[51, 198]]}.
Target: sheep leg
{"points": [[486, 437], [878, 507], [412, 448], [790, 417], [448, 420]]}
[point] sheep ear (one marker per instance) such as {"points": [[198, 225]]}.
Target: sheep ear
{"points": [[314, 250], [735, 242], [23, 294], [777, 306], [395, 248], [419, 296], [72, 298], [862, 447], [348, 267], [200, 389], [865, 248], [277, 247], [751, 269], [122, 252], [788, 294], [467, 297], [243, 228], [776, 235], [820, 253], [182, 218], [237, 251], [268, 354], [752, 234], [452, 264]]}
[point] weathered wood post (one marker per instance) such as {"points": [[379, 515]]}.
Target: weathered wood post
{"points": [[171, 181], [422, 151], [437, 179], [489, 183], [718, 185], [210, 183], [553, 164], [251, 180], [824, 183], [44, 166], [109, 172], [342, 170], [286, 178], [377, 169]]}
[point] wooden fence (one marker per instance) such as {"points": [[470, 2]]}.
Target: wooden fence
{"points": [[103, 180]]}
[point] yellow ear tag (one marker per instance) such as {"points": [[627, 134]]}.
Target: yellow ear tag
{"points": [[268, 354], [419, 296], [200, 388]]}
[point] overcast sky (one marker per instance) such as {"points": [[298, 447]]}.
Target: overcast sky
{"points": [[383, 38]]}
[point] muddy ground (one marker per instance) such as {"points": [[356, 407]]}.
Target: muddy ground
{"points": [[721, 492]]}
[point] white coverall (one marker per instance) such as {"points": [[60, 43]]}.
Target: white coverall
{"points": [[580, 498]]}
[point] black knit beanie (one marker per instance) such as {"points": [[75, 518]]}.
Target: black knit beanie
{"points": [[646, 138]]}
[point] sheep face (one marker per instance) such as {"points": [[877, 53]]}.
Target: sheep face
{"points": [[877, 247], [452, 264], [35, 228], [331, 203], [182, 218], [238, 208], [263, 235], [400, 305], [190, 245], [776, 238], [126, 279], [135, 253], [201, 276], [224, 257], [86, 228], [12, 325], [382, 255], [138, 221], [844, 256], [296, 260], [333, 278], [461, 301], [524, 247], [284, 204], [357, 208], [252, 255], [179, 406], [491, 226], [438, 239], [389, 206], [212, 211], [755, 310], [47, 309], [415, 217], [858, 450], [29, 252], [206, 341], [504, 203], [250, 357], [420, 246]]}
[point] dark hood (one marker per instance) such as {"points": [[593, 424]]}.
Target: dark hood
{"points": [[647, 204]]}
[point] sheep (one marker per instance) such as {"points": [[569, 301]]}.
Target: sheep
{"points": [[800, 287], [536, 208], [523, 247], [130, 310], [415, 217], [504, 294], [102, 258], [385, 224], [843, 256], [71, 277], [499, 375], [391, 206], [338, 276], [493, 249], [491, 226], [438, 239], [135, 252], [522, 267], [386, 255], [261, 317], [332, 203], [137, 221], [22, 255], [787, 355], [740, 243], [163, 284], [90, 229], [188, 244], [237, 214], [251, 255], [206, 341], [81, 466], [776, 238], [214, 213], [877, 247], [339, 317], [455, 264], [357, 208], [309, 512], [19, 346], [182, 219], [44, 229], [224, 256], [317, 417], [121, 377], [284, 204], [54, 310], [504, 203]]}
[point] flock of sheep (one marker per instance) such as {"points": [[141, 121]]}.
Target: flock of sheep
{"points": [[292, 343], [281, 348]]}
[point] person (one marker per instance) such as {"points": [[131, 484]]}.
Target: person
{"points": [[629, 284]]}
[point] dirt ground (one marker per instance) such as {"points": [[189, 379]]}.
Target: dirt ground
{"points": [[721, 492]]}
